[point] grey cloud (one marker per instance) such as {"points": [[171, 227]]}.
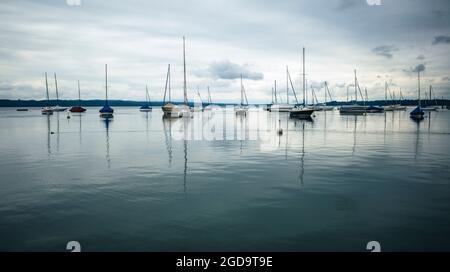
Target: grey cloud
{"points": [[385, 50], [441, 40], [228, 70], [420, 57], [419, 68], [346, 4]]}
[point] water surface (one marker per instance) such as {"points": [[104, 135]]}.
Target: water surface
{"points": [[137, 184]]}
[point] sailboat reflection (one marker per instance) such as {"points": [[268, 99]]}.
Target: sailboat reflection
{"points": [[302, 157], [79, 128], [49, 151], [417, 137], [185, 149], [167, 126], [242, 131], [354, 136], [108, 158], [57, 131]]}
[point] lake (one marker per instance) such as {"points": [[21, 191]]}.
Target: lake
{"points": [[217, 182]]}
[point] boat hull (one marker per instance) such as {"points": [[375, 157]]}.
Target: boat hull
{"points": [[77, 109], [47, 111], [106, 115], [429, 109], [281, 107], [301, 113], [241, 110], [59, 109], [354, 109]]}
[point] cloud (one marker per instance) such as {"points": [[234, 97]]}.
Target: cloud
{"points": [[346, 4], [385, 51], [441, 39], [419, 68], [420, 57], [229, 70], [447, 78]]}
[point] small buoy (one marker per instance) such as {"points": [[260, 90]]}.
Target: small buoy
{"points": [[52, 132]]}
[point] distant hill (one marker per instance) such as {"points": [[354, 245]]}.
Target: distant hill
{"points": [[117, 103]]}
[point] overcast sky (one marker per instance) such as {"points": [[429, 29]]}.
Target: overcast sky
{"points": [[224, 38]]}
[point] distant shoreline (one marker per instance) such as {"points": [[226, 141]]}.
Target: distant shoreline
{"points": [[119, 103]]}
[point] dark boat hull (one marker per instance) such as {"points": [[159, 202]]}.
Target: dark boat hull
{"points": [[301, 113], [77, 109]]}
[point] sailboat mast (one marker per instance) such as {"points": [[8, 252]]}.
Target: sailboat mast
{"points": [[79, 95], [276, 99], [168, 76], [272, 94], [106, 82], [242, 93], [418, 80], [325, 90], [56, 86], [429, 103], [304, 82], [209, 97], [356, 92], [385, 93], [184, 71], [46, 88], [287, 85]]}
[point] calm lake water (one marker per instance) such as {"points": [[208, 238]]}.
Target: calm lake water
{"points": [[137, 184]]}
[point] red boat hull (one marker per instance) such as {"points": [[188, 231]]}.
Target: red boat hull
{"points": [[77, 109]]}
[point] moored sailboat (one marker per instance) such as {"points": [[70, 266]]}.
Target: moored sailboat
{"points": [[57, 107], [417, 113], [428, 106], [78, 108], [355, 108], [47, 110], [169, 109], [302, 111], [242, 108], [106, 111], [146, 107], [282, 107]]}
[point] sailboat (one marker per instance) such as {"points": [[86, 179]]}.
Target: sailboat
{"points": [[281, 107], [198, 107], [210, 105], [315, 105], [47, 110], [324, 106], [57, 107], [242, 109], [355, 108], [302, 111], [417, 113], [386, 90], [372, 108], [169, 109], [175, 111], [429, 107], [400, 106], [106, 111], [146, 107], [78, 108]]}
